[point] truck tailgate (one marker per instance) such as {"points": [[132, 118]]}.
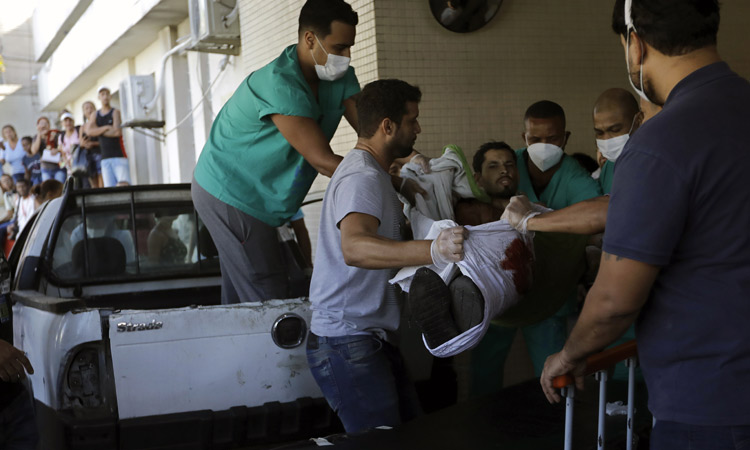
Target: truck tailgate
{"points": [[213, 357]]}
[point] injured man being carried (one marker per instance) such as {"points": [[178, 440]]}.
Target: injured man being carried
{"points": [[453, 304]]}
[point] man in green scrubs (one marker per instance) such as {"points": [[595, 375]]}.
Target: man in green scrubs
{"points": [[267, 145], [548, 176], [616, 117]]}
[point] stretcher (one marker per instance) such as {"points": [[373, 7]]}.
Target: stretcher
{"points": [[599, 365]]}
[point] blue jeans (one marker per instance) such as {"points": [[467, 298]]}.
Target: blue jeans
{"points": [[681, 436], [18, 429], [57, 174], [364, 380]]}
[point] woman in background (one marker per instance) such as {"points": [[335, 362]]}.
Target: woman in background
{"points": [[13, 153], [92, 145]]}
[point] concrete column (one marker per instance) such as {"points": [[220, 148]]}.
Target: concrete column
{"points": [[200, 80], [143, 149], [180, 145]]}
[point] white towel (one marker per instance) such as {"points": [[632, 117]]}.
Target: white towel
{"points": [[447, 182]]}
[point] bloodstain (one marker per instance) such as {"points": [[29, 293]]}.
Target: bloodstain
{"points": [[518, 260]]}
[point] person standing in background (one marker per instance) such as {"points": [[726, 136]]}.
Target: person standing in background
{"points": [[24, 208], [91, 144], [68, 141], [13, 153], [105, 125], [32, 163], [45, 142]]}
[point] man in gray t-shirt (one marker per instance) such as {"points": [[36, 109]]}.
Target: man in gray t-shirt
{"points": [[351, 349], [349, 300]]}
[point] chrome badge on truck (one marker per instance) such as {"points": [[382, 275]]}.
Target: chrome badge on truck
{"points": [[127, 326]]}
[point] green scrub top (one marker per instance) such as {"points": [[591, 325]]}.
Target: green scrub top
{"points": [[246, 162], [606, 175], [570, 184]]}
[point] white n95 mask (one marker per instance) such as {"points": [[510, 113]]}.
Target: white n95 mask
{"points": [[335, 67], [544, 156]]}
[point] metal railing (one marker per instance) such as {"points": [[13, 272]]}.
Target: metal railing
{"points": [[598, 365]]}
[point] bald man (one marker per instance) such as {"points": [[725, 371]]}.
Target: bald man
{"points": [[616, 117], [617, 114]]}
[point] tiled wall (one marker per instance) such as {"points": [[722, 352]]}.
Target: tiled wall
{"points": [[477, 86]]}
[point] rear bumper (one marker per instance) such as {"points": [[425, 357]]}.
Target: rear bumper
{"points": [[238, 426]]}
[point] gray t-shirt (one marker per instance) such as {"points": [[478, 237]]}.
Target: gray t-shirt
{"points": [[348, 300]]}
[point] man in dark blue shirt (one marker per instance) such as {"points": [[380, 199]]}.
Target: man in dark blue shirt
{"points": [[677, 234]]}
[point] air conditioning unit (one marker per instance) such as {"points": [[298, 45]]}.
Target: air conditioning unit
{"points": [[214, 26], [136, 91]]}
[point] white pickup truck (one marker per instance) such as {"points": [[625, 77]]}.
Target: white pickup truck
{"points": [[116, 298]]}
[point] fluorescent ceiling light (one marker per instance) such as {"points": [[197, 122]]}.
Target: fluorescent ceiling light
{"points": [[15, 13]]}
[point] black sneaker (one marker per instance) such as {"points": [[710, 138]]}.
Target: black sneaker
{"points": [[429, 302], [467, 303]]}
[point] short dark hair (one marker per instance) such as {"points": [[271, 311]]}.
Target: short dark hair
{"points": [[27, 138], [317, 15], [49, 189], [383, 99], [673, 27], [544, 109], [487, 146], [23, 180]]}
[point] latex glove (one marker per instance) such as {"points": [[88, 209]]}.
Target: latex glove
{"points": [[12, 363], [422, 161], [448, 247], [410, 189], [518, 212]]}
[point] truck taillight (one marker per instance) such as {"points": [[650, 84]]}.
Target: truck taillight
{"points": [[81, 380]]}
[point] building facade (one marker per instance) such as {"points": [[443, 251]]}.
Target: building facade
{"points": [[476, 85]]}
